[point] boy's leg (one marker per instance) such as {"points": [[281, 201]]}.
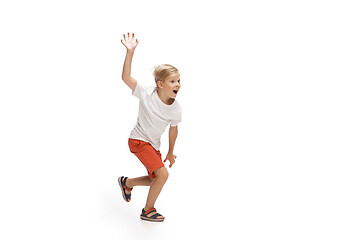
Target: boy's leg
{"points": [[156, 186], [140, 181]]}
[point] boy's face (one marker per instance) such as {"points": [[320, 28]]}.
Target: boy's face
{"points": [[170, 86]]}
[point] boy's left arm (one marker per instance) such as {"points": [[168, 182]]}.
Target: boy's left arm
{"points": [[173, 132]]}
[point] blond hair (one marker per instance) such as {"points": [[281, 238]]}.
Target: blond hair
{"points": [[161, 72]]}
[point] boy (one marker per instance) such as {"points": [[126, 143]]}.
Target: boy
{"points": [[157, 109]]}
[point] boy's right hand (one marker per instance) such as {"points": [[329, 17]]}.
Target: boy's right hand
{"points": [[129, 42]]}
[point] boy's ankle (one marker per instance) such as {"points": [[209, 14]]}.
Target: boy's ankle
{"points": [[147, 208], [128, 183]]}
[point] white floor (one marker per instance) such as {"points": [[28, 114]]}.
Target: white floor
{"points": [[234, 201]]}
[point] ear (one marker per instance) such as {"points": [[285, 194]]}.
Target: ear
{"points": [[159, 84]]}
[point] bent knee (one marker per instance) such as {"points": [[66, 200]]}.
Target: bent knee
{"points": [[162, 173]]}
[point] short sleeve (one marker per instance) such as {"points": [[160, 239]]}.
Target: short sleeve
{"points": [[178, 119], [137, 90], [141, 91]]}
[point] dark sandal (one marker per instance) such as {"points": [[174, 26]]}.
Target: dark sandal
{"points": [[145, 215], [122, 183]]}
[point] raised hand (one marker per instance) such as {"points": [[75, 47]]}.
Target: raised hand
{"points": [[129, 42]]}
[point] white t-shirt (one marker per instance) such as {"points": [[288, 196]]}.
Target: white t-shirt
{"points": [[154, 115]]}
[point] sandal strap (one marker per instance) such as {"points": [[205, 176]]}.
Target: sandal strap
{"points": [[126, 188], [155, 216], [150, 211], [124, 185]]}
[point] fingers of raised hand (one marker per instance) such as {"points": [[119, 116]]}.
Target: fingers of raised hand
{"points": [[128, 36], [129, 42]]}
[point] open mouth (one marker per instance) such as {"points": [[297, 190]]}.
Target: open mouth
{"points": [[175, 91]]}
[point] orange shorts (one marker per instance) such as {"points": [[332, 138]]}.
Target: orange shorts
{"points": [[147, 154]]}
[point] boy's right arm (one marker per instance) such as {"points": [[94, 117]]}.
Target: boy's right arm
{"points": [[130, 45], [126, 75]]}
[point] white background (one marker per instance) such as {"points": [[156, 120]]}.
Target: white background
{"points": [[269, 143]]}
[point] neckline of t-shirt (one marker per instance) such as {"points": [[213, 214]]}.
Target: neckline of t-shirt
{"points": [[164, 104]]}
